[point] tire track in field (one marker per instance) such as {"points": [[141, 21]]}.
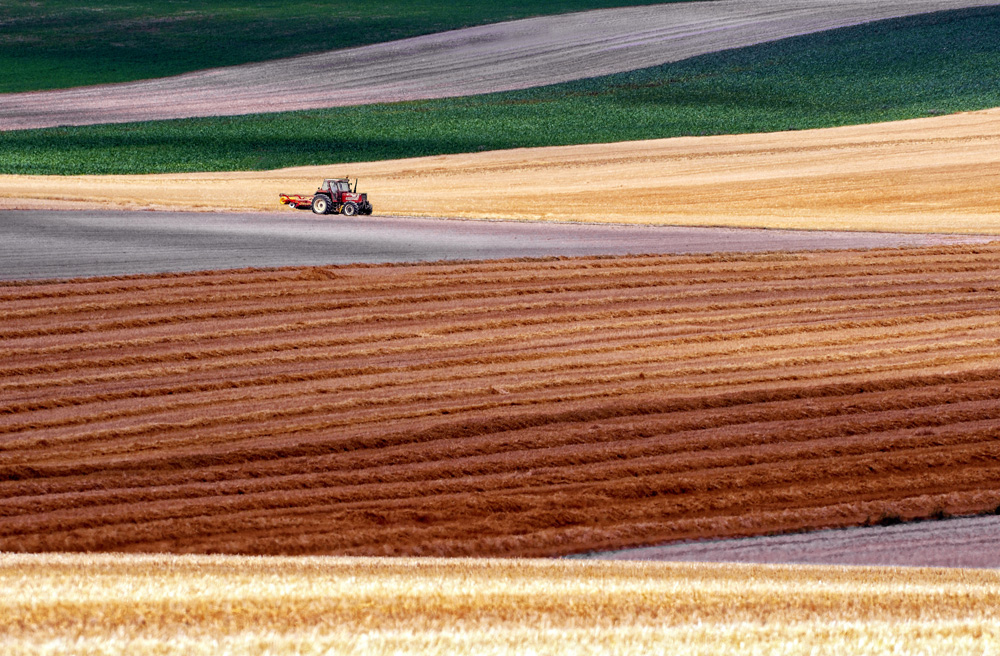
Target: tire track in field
{"points": [[535, 407], [499, 57]]}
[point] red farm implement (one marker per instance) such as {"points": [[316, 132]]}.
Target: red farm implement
{"points": [[334, 196]]}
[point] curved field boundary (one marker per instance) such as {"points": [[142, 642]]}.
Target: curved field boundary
{"points": [[939, 174], [516, 408], [963, 542], [209, 605], [500, 57]]}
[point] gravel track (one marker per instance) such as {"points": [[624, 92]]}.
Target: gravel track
{"points": [[963, 542], [515, 408], [63, 244], [499, 57]]}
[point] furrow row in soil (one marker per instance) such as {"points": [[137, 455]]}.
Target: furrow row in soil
{"points": [[531, 407]]}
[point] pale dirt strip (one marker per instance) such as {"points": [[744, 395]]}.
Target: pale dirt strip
{"points": [[960, 542], [112, 604], [41, 244], [939, 174], [499, 57]]}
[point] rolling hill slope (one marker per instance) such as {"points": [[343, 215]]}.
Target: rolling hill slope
{"points": [[513, 55], [55, 44], [927, 175]]}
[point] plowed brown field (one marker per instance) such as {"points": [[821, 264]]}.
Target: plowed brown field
{"points": [[499, 408]]}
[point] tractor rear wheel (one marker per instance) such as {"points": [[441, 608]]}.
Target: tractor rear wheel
{"points": [[320, 204], [349, 209]]}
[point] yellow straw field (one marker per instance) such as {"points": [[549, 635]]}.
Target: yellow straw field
{"points": [[117, 604], [936, 174]]}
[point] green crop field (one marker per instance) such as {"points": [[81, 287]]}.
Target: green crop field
{"points": [[50, 44], [903, 68]]}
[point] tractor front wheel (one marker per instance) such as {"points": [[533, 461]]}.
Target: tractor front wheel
{"points": [[320, 205], [349, 209]]}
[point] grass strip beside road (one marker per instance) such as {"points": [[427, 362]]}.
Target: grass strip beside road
{"points": [[53, 44], [904, 68]]}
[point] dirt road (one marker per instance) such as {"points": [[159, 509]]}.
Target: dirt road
{"points": [[500, 57], [962, 542], [47, 244]]}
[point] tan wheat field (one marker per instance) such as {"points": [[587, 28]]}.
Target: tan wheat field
{"points": [[935, 174], [119, 604]]}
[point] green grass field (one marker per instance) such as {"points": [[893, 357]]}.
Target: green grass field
{"points": [[904, 68], [49, 44]]}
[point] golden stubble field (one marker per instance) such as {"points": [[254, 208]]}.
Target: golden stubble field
{"points": [[939, 174], [108, 604]]}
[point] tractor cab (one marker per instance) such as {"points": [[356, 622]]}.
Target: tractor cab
{"points": [[335, 187]]}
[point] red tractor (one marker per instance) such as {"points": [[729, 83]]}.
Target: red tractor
{"points": [[334, 196]]}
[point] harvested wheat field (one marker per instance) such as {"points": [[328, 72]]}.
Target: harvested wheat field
{"points": [[503, 408], [208, 605], [939, 174]]}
